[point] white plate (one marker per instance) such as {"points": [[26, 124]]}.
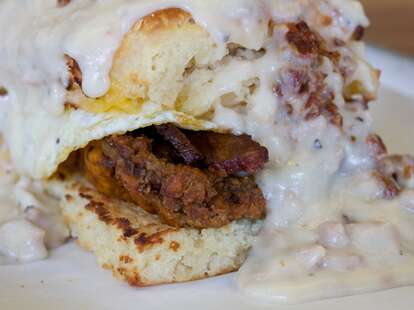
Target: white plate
{"points": [[71, 279]]}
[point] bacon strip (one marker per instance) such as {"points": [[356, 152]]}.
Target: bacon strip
{"points": [[180, 142], [230, 154]]}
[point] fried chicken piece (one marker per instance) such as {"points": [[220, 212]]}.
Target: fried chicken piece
{"points": [[213, 203], [180, 194], [99, 170]]}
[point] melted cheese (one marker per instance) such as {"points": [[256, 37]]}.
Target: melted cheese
{"points": [[306, 249]]}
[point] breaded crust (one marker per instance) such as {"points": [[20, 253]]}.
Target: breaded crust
{"points": [[141, 250]]}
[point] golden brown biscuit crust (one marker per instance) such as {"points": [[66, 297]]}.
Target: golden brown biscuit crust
{"points": [[143, 251]]}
